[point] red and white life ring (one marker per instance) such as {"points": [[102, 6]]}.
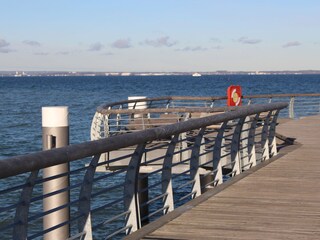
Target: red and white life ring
{"points": [[234, 96]]}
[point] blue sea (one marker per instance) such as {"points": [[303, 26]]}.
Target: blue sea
{"points": [[23, 97]]}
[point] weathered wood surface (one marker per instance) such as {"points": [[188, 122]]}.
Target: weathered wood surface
{"points": [[278, 201]]}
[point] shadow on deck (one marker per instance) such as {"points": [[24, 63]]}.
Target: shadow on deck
{"points": [[278, 199]]}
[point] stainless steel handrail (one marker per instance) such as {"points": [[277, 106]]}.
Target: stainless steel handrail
{"points": [[181, 160], [35, 161], [110, 106], [117, 118]]}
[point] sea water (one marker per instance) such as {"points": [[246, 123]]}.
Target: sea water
{"points": [[21, 99]]}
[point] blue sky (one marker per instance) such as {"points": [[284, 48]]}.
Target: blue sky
{"points": [[154, 35]]}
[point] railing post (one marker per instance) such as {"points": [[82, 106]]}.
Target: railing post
{"points": [[218, 151], [235, 145], [291, 108], [55, 134], [20, 230], [131, 198], [194, 164], [264, 138], [272, 134], [244, 148], [118, 119], [97, 121], [84, 223], [206, 152], [167, 175], [251, 141], [183, 145], [106, 126], [143, 197]]}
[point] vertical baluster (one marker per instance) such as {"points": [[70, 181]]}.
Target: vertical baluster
{"points": [[217, 153], [244, 142], [20, 229], [194, 164], [251, 141], [143, 196], [131, 198], [183, 145], [272, 134], [106, 126], [118, 119], [264, 137], [84, 223], [167, 175], [235, 153], [291, 108], [96, 124], [168, 103]]}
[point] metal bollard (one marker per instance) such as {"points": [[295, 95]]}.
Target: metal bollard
{"points": [[137, 105], [55, 134]]}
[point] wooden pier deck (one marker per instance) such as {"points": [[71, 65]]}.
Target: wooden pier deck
{"points": [[280, 199]]}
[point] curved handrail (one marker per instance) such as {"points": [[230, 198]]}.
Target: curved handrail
{"points": [[169, 98], [167, 110], [109, 180], [34, 161], [283, 95], [136, 114], [105, 108]]}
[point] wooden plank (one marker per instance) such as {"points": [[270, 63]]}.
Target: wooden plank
{"points": [[279, 201]]}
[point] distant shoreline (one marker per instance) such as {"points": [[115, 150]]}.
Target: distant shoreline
{"points": [[92, 74]]}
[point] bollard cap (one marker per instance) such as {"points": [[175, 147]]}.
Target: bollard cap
{"points": [[136, 97], [138, 105], [56, 116]]}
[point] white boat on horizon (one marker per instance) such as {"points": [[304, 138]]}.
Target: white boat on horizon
{"points": [[196, 75]]}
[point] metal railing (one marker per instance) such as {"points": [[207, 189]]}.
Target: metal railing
{"points": [[134, 115], [146, 174]]}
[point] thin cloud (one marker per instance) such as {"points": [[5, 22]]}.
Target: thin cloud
{"points": [[122, 43], [96, 47], [191, 49], [160, 42], [3, 43], [245, 40], [3, 46], [6, 50], [41, 53], [216, 40], [291, 44], [108, 54], [63, 53], [218, 47], [32, 43]]}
